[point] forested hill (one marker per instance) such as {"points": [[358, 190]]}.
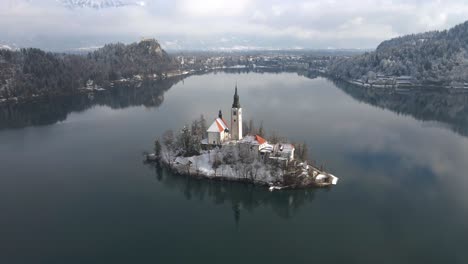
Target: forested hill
{"points": [[33, 72], [438, 57], [144, 57]]}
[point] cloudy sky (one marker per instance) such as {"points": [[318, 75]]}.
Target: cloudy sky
{"points": [[209, 24]]}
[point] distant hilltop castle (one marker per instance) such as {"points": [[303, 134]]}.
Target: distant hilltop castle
{"points": [[142, 39]]}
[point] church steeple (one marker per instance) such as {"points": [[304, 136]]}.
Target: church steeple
{"points": [[236, 103], [236, 118]]}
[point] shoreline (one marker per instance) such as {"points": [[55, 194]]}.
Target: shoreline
{"points": [[207, 177], [396, 87], [85, 90], [188, 73], [327, 179]]}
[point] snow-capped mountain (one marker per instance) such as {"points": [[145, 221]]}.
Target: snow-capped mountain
{"points": [[99, 4], [5, 47], [8, 47]]}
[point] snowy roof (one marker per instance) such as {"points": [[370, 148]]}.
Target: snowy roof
{"points": [[284, 147], [219, 125], [253, 140], [267, 148], [248, 139], [278, 158], [404, 77]]}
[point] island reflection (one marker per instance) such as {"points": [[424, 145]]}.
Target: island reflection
{"points": [[241, 196]]}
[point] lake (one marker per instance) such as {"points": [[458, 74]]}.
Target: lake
{"points": [[74, 189]]}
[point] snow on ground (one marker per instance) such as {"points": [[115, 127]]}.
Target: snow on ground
{"points": [[237, 163], [203, 165]]}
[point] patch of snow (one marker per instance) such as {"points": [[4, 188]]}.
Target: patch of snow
{"points": [[321, 177], [334, 179]]}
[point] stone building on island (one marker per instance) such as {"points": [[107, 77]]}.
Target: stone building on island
{"points": [[219, 134]]}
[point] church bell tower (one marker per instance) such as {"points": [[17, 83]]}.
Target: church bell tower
{"points": [[236, 118]]}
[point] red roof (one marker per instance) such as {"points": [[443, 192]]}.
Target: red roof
{"points": [[260, 139], [220, 127]]}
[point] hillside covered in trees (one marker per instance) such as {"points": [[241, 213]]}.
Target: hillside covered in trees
{"points": [[32, 72], [438, 57]]}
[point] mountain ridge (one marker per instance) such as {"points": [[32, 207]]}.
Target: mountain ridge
{"points": [[32, 72], [436, 57], [99, 4]]}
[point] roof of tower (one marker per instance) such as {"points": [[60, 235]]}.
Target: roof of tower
{"points": [[236, 103]]}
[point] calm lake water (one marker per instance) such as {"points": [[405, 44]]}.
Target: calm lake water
{"points": [[73, 188]]}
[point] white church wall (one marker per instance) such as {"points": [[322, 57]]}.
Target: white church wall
{"points": [[214, 138], [236, 123]]}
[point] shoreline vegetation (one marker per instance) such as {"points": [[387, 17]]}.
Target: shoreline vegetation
{"points": [[184, 154], [32, 73], [436, 59]]}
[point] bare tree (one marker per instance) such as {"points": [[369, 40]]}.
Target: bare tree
{"points": [[261, 131], [305, 152], [157, 148], [252, 129], [216, 163], [168, 138]]}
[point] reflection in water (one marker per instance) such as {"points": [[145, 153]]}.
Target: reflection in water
{"points": [[71, 190], [240, 196], [440, 105], [46, 111]]}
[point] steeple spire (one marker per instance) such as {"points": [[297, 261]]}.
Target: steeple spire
{"points": [[236, 103]]}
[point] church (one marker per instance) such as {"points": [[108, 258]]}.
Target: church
{"points": [[219, 131]]}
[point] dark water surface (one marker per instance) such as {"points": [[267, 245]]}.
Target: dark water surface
{"points": [[73, 188]]}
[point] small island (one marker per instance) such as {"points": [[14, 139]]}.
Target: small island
{"points": [[222, 152]]}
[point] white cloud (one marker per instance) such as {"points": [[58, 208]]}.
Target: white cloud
{"points": [[216, 8], [305, 23], [278, 10], [259, 16]]}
